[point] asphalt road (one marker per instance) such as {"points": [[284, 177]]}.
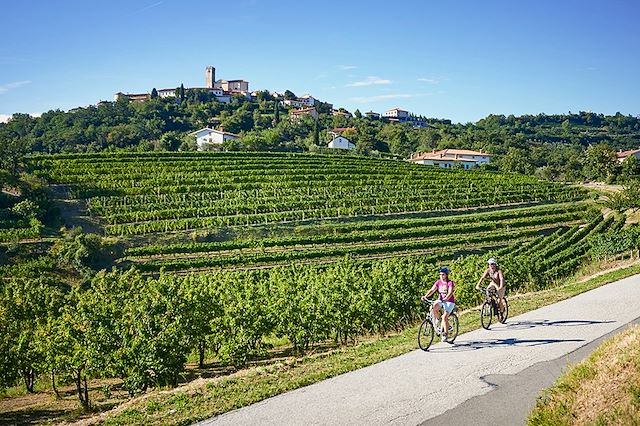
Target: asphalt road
{"points": [[486, 377]]}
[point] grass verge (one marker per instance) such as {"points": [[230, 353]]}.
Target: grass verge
{"points": [[604, 389], [204, 398]]}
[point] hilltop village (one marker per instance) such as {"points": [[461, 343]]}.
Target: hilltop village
{"points": [[306, 105]]}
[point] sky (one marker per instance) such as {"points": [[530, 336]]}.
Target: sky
{"points": [[460, 60]]}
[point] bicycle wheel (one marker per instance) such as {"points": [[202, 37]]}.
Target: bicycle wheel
{"points": [[425, 334], [452, 333], [486, 314], [504, 313]]}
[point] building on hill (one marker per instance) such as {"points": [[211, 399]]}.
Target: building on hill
{"points": [[448, 158], [372, 115], [233, 85], [133, 97], [166, 93], [340, 142], [208, 136], [341, 112], [294, 103], [622, 155], [396, 114], [221, 89], [296, 114], [307, 100]]}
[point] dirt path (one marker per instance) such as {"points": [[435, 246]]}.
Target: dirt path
{"points": [[74, 212]]}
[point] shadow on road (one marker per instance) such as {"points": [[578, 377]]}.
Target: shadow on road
{"points": [[492, 343], [517, 325]]}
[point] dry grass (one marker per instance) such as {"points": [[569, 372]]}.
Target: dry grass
{"points": [[603, 389]]}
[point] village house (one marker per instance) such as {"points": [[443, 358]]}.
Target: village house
{"points": [[208, 136], [294, 103], [622, 155], [372, 115], [448, 158], [340, 113], [133, 97], [340, 142], [396, 114], [296, 114]]}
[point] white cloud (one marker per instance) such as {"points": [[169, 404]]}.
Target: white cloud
{"points": [[4, 88], [369, 82], [429, 80], [347, 67], [387, 97]]}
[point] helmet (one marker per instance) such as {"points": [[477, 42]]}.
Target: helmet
{"points": [[492, 261], [445, 270]]}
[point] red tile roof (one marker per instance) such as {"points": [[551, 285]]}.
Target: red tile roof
{"points": [[625, 154]]}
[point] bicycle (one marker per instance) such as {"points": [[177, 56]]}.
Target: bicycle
{"points": [[491, 307], [429, 327]]}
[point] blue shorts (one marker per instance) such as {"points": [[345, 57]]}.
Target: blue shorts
{"points": [[447, 306]]}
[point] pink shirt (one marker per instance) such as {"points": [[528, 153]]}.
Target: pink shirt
{"points": [[443, 289]]}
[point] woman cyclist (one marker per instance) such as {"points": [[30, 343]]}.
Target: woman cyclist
{"points": [[494, 272], [444, 286]]}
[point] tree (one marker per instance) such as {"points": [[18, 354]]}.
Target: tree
{"points": [[154, 93], [357, 113], [289, 95], [316, 132], [515, 161], [601, 162], [180, 93], [276, 112], [630, 168]]}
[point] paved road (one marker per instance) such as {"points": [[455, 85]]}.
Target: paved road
{"points": [[418, 386]]}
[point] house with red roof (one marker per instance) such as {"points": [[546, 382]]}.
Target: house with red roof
{"points": [[448, 158], [622, 155]]}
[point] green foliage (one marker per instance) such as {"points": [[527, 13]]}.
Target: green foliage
{"points": [[601, 162]]}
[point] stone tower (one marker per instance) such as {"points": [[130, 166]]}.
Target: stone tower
{"points": [[210, 77]]}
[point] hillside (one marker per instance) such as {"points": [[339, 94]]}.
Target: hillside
{"points": [[185, 211], [229, 259]]}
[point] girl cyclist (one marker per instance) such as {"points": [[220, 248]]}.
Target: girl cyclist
{"points": [[494, 272], [444, 286]]}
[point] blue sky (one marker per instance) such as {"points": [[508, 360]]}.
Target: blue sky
{"points": [[460, 60]]}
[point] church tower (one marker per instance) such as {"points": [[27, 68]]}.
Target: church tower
{"points": [[210, 77]]}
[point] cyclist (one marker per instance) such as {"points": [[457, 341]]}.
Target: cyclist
{"points": [[444, 286], [494, 272]]}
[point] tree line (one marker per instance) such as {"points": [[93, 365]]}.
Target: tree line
{"points": [[568, 147]]}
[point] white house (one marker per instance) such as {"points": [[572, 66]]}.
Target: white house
{"points": [[398, 113], [448, 158], [307, 100], [340, 142], [211, 136], [295, 103], [622, 155], [233, 85], [167, 93]]}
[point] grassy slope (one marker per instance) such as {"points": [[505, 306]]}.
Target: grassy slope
{"points": [[603, 389]]}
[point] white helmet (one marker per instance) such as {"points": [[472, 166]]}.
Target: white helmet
{"points": [[492, 261]]}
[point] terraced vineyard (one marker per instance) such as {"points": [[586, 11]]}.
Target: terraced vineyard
{"points": [[330, 206], [232, 250]]}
